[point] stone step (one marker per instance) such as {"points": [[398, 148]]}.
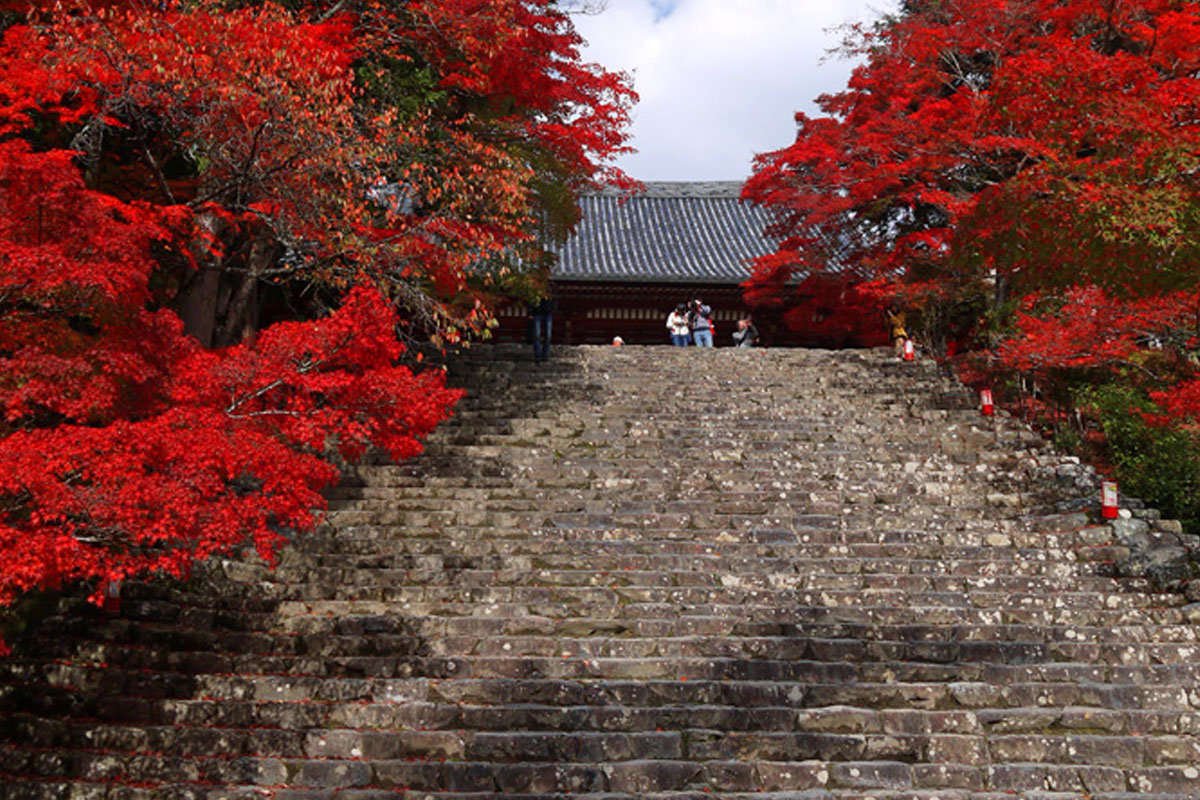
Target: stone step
{"points": [[880, 777], [801, 542], [384, 620], [929, 686], [523, 583], [1181, 727], [310, 654]]}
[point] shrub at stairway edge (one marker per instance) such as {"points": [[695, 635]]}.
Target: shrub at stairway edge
{"points": [[1112, 379], [199, 451]]}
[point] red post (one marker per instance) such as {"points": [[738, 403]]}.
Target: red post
{"points": [[909, 351], [112, 597], [985, 403], [1108, 499]]}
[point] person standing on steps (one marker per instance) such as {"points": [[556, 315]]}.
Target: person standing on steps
{"points": [[700, 322], [541, 315], [677, 325], [894, 319], [746, 334]]}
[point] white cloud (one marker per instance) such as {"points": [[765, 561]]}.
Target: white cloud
{"points": [[719, 80]]}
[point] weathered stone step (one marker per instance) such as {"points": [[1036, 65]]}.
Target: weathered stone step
{"points": [[526, 584], [877, 685], [1180, 727], [313, 654], [733, 588], [836, 734], [557, 549], [394, 626], [727, 657], [885, 607], [811, 778]]}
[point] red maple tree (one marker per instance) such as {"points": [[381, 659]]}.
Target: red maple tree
{"points": [[218, 221], [1007, 147]]}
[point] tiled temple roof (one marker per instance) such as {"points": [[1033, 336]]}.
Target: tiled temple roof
{"points": [[695, 232]]}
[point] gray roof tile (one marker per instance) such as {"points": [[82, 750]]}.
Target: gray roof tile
{"points": [[695, 232]]}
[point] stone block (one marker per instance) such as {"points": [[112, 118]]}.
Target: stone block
{"points": [[1030, 748], [1119, 751], [1094, 720], [1173, 750], [412, 744], [1166, 780], [334, 744], [729, 776], [774, 776], [1018, 720], [1017, 778], [951, 749], [417, 775], [975, 695], [871, 775], [647, 777], [1133, 533], [467, 776], [948, 776], [334, 773], [527, 778], [838, 719], [1085, 780], [258, 771]]}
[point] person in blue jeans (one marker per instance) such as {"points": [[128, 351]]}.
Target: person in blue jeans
{"points": [[677, 325], [700, 321], [541, 316]]}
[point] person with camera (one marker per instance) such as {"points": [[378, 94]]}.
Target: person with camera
{"points": [[700, 321], [746, 334]]}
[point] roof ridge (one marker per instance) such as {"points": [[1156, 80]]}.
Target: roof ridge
{"points": [[680, 189]]}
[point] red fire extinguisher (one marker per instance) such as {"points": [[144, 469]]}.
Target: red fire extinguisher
{"points": [[985, 403], [909, 351], [1108, 499]]}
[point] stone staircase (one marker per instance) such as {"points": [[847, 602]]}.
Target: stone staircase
{"points": [[653, 573]]}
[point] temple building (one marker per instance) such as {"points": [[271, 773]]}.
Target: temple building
{"points": [[632, 259]]}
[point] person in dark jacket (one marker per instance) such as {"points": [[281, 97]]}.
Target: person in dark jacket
{"points": [[700, 321], [746, 334], [541, 317]]}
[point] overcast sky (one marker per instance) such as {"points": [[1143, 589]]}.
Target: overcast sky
{"points": [[719, 79]]}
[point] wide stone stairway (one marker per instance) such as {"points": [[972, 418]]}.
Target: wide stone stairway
{"points": [[653, 573]]}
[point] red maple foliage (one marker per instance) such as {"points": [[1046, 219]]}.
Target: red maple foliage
{"points": [[1009, 146], [1086, 327], [1087, 337], [211, 217], [130, 448]]}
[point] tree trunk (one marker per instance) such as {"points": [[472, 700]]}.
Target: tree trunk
{"points": [[999, 298], [1001, 295], [197, 302], [197, 306], [240, 317]]}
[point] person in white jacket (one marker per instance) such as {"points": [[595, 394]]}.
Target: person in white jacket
{"points": [[677, 325]]}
